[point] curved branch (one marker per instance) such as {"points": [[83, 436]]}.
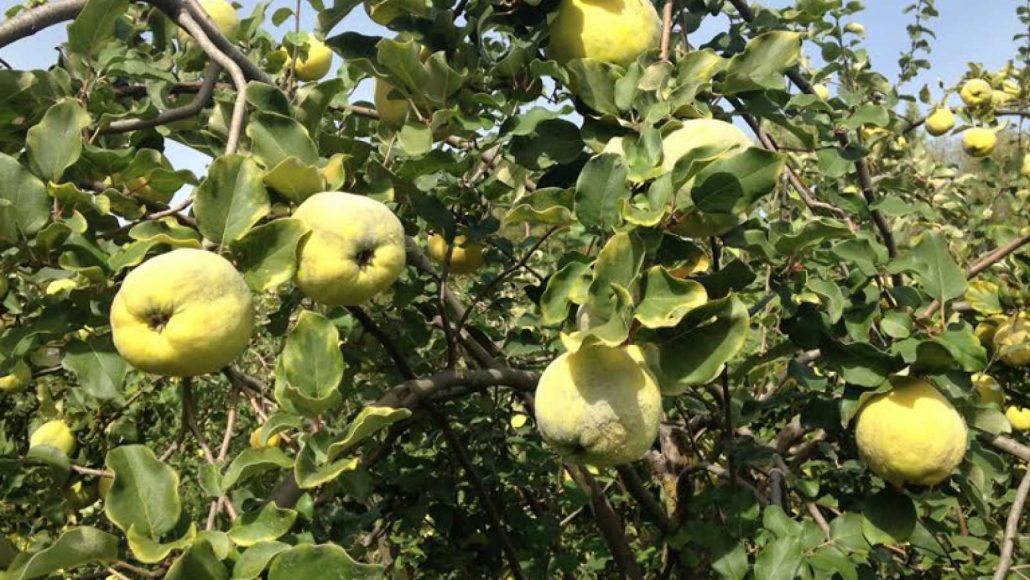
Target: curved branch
{"points": [[215, 54], [250, 70], [207, 88], [28, 22]]}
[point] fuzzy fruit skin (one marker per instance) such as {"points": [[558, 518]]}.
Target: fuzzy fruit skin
{"points": [[979, 142], [1025, 171], [940, 122], [317, 63], [911, 434], [54, 434], [612, 31], [599, 405], [392, 111], [976, 92], [17, 379], [466, 258], [1019, 418], [347, 228], [255, 440], [184, 313], [1012, 340], [223, 14], [988, 389]]}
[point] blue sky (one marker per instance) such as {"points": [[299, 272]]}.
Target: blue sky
{"points": [[967, 30]]}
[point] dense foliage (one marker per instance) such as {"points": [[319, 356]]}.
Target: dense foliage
{"points": [[775, 280]]}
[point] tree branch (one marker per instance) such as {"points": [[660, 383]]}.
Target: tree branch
{"points": [[489, 506], [30, 21], [1012, 528], [636, 488], [666, 28], [235, 72], [608, 521], [206, 89]]}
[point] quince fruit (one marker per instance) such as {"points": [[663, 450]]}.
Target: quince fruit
{"points": [[17, 379], [599, 405], [612, 31], [940, 121], [911, 434], [184, 313], [976, 92], [466, 258], [979, 142], [355, 250], [54, 434]]}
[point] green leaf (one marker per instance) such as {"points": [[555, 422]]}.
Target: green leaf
{"points": [[594, 83], [860, 363], [600, 189], [145, 492], [269, 523], [619, 261], [294, 179], [267, 254], [150, 551], [199, 561], [567, 285], [251, 462], [319, 461], [732, 184], [415, 139], [55, 143], [94, 26], [555, 142], [846, 531], [98, 367], [231, 199], [668, 299], [933, 266], [320, 562], [275, 137], [982, 296], [24, 204], [763, 63], [549, 205], [888, 517], [697, 349], [255, 559], [779, 560], [311, 365], [75, 547], [369, 421]]}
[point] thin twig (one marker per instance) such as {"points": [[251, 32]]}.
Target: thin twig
{"points": [[500, 277], [608, 521], [1012, 528], [636, 488], [230, 424], [666, 28], [235, 72]]}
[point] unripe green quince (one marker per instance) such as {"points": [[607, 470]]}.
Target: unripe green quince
{"points": [[56, 434], [17, 379]]}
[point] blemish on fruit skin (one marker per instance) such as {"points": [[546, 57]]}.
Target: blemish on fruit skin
{"points": [[365, 257]]}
